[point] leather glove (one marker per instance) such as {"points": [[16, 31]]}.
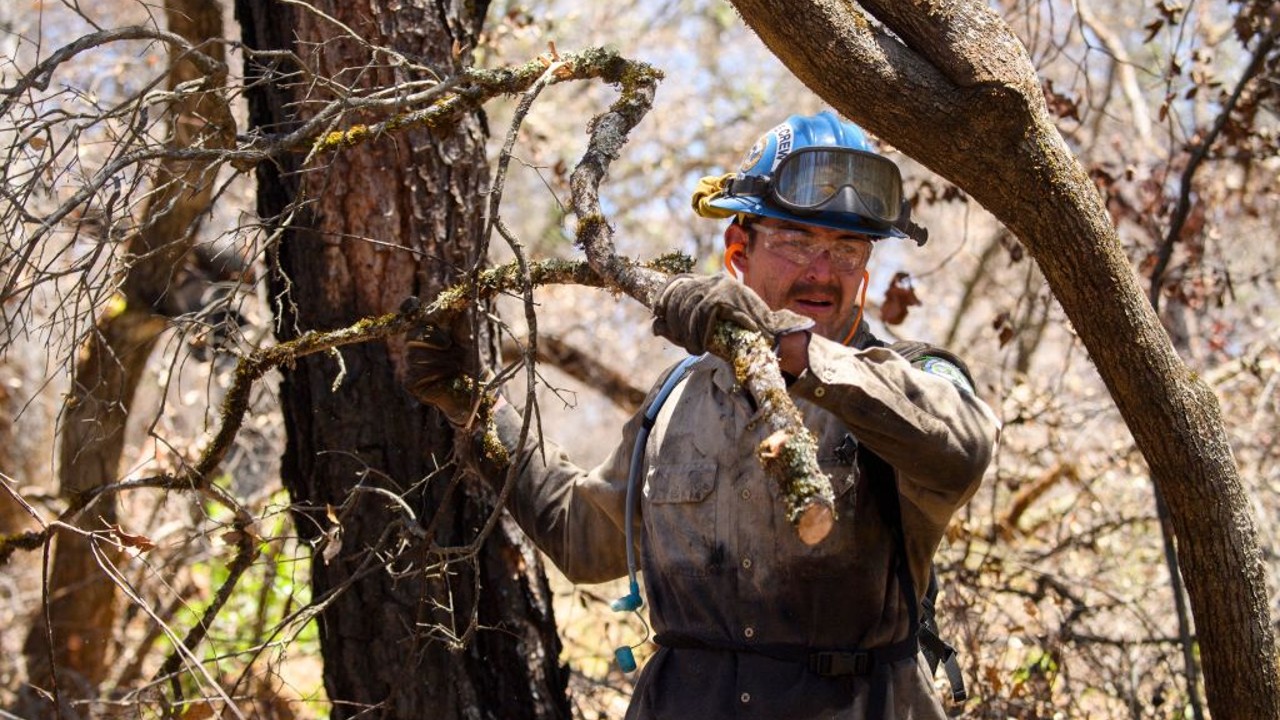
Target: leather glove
{"points": [[689, 307], [438, 372]]}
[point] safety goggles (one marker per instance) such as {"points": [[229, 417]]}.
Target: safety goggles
{"points": [[802, 247], [826, 179]]}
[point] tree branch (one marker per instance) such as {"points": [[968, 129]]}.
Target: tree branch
{"points": [[198, 474], [789, 454]]}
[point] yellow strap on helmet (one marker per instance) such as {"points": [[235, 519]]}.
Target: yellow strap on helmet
{"points": [[711, 188]]}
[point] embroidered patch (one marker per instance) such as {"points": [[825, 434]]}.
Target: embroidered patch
{"points": [[942, 368], [753, 156]]}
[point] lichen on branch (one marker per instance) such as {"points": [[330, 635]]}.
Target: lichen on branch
{"points": [[198, 475], [475, 86]]}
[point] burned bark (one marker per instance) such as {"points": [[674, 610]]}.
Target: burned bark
{"points": [[409, 629]]}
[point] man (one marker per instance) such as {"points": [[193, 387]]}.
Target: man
{"points": [[752, 622]]}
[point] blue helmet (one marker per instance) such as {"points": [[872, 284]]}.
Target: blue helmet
{"points": [[819, 170]]}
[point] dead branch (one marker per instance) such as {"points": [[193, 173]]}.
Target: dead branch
{"points": [[1007, 526], [42, 74], [1200, 153]]}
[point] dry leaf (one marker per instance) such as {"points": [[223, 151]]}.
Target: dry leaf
{"points": [[141, 542], [199, 711], [233, 537], [1003, 325], [332, 544], [900, 296]]}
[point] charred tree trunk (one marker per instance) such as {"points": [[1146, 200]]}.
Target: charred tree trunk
{"points": [[71, 660], [408, 631]]}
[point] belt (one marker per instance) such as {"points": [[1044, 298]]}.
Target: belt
{"points": [[825, 663]]}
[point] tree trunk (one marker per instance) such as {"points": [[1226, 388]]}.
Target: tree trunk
{"points": [[965, 101], [111, 364], [406, 632]]}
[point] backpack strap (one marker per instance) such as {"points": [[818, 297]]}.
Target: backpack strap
{"points": [[632, 600], [935, 649], [937, 361], [883, 483]]}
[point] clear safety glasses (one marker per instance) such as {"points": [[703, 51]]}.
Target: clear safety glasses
{"points": [[802, 247], [838, 180]]}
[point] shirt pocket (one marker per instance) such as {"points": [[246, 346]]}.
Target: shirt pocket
{"points": [[680, 519], [835, 555]]}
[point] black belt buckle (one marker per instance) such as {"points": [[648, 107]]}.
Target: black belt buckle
{"points": [[832, 664]]}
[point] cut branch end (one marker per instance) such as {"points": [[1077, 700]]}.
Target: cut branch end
{"points": [[816, 521]]}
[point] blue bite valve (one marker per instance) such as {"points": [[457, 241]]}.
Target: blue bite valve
{"points": [[630, 601], [626, 660]]}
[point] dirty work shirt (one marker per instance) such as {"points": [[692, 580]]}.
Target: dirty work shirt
{"points": [[721, 564]]}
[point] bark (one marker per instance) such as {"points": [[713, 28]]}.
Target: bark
{"points": [[74, 656], [953, 88], [409, 629], [20, 448]]}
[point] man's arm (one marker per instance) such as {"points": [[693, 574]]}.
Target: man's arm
{"points": [[939, 436], [573, 515]]}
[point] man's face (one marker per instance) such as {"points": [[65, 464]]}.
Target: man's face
{"points": [[814, 271]]}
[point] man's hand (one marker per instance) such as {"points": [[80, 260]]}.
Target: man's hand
{"points": [[689, 307], [437, 373]]}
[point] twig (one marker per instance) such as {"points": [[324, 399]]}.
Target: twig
{"points": [[181, 647], [1201, 152], [40, 76], [245, 554]]}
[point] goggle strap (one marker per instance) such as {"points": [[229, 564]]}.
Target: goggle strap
{"points": [[748, 185], [909, 227]]}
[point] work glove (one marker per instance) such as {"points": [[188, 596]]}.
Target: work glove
{"points": [[689, 307], [440, 371]]}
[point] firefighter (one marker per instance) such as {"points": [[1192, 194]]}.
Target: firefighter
{"points": [[750, 621]]}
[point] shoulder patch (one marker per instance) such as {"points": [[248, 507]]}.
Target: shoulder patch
{"points": [[942, 368]]}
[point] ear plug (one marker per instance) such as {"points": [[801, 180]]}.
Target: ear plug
{"points": [[625, 658]]}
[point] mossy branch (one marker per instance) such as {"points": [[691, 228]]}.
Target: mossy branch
{"points": [[198, 475], [789, 455], [474, 87]]}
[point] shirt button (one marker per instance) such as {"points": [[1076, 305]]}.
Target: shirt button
{"points": [[749, 632], [745, 697], [746, 494], [819, 392], [746, 563]]}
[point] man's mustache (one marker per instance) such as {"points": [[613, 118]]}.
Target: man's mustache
{"points": [[811, 291]]}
